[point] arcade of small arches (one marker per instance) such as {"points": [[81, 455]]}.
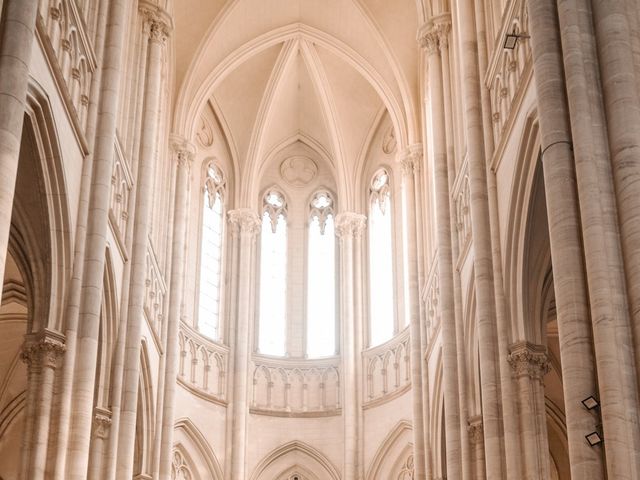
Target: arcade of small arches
{"points": [[341, 240]]}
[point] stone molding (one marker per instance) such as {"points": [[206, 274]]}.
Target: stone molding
{"points": [[43, 349], [350, 224], [244, 220], [475, 429], [528, 359]]}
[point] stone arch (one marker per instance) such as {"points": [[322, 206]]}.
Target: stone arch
{"points": [[202, 457], [295, 454], [145, 416], [394, 449]]}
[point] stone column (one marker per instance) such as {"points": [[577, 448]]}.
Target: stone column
{"points": [[430, 41], [615, 24], [157, 26], [101, 427], [245, 224], [93, 270], [16, 39], [529, 365], [481, 242], [410, 161], [183, 153], [477, 442], [41, 353], [567, 231], [349, 226]]}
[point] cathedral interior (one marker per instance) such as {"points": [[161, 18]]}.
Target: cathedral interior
{"points": [[320, 239]]}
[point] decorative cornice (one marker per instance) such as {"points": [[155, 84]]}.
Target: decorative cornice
{"points": [[157, 22], [43, 349], [476, 430], [528, 359], [350, 224], [183, 149], [244, 220]]}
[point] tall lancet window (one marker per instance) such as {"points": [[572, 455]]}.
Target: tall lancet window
{"points": [[273, 275], [381, 289], [321, 278], [211, 252]]}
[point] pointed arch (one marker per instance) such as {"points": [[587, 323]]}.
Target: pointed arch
{"points": [[203, 458], [395, 447], [296, 454]]}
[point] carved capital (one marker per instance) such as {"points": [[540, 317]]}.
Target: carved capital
{"points": [[442, 28], [183, 150], [157, 22], [43, 349], [410, 159], [350, 224], [101, 422], [429, 40], [527, 359], [244, 221], [475, 429]]}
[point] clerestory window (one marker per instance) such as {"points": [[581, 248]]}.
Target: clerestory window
{"points": [[321, 278], [211, 252], [381, 279], [273, 275]]}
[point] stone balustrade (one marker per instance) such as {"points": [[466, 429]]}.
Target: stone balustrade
{"points": [[295, 388], [202, 365], [388, 370]]}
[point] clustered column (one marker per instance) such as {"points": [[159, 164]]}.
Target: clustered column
{"points": [[245, 225], [157, 26], [349, 227], [529, 364], [41, 353], [430, 41]]}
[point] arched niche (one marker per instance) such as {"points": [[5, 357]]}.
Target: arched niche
{"points": [[392, 454]]}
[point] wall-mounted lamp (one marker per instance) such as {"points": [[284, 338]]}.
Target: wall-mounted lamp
{"points": [[594, 438], [511, 39], [590, 402]]}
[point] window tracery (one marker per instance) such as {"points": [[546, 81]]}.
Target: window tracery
{"points": [[321, 277], [211, 252], [407, 471], [381, 289], [179, 468], [273, 274]]}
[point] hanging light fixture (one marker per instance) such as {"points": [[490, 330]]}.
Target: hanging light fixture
{"points": [[511, 39]]}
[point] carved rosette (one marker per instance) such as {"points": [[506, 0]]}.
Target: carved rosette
{"points": [[157, 22], [244, 221], [410, 159], [43, 350], [350, 224], [527, 359], [476, 431], [101, 422], [183, 150]]}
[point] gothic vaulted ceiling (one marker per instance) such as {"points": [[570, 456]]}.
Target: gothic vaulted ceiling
{"points": [[319, 71]]}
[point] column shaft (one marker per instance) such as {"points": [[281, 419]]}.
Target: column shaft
{"points": [[246, 224], [572, 307], [18, 22], [348, 227], [183, 152], [444, 257]]}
